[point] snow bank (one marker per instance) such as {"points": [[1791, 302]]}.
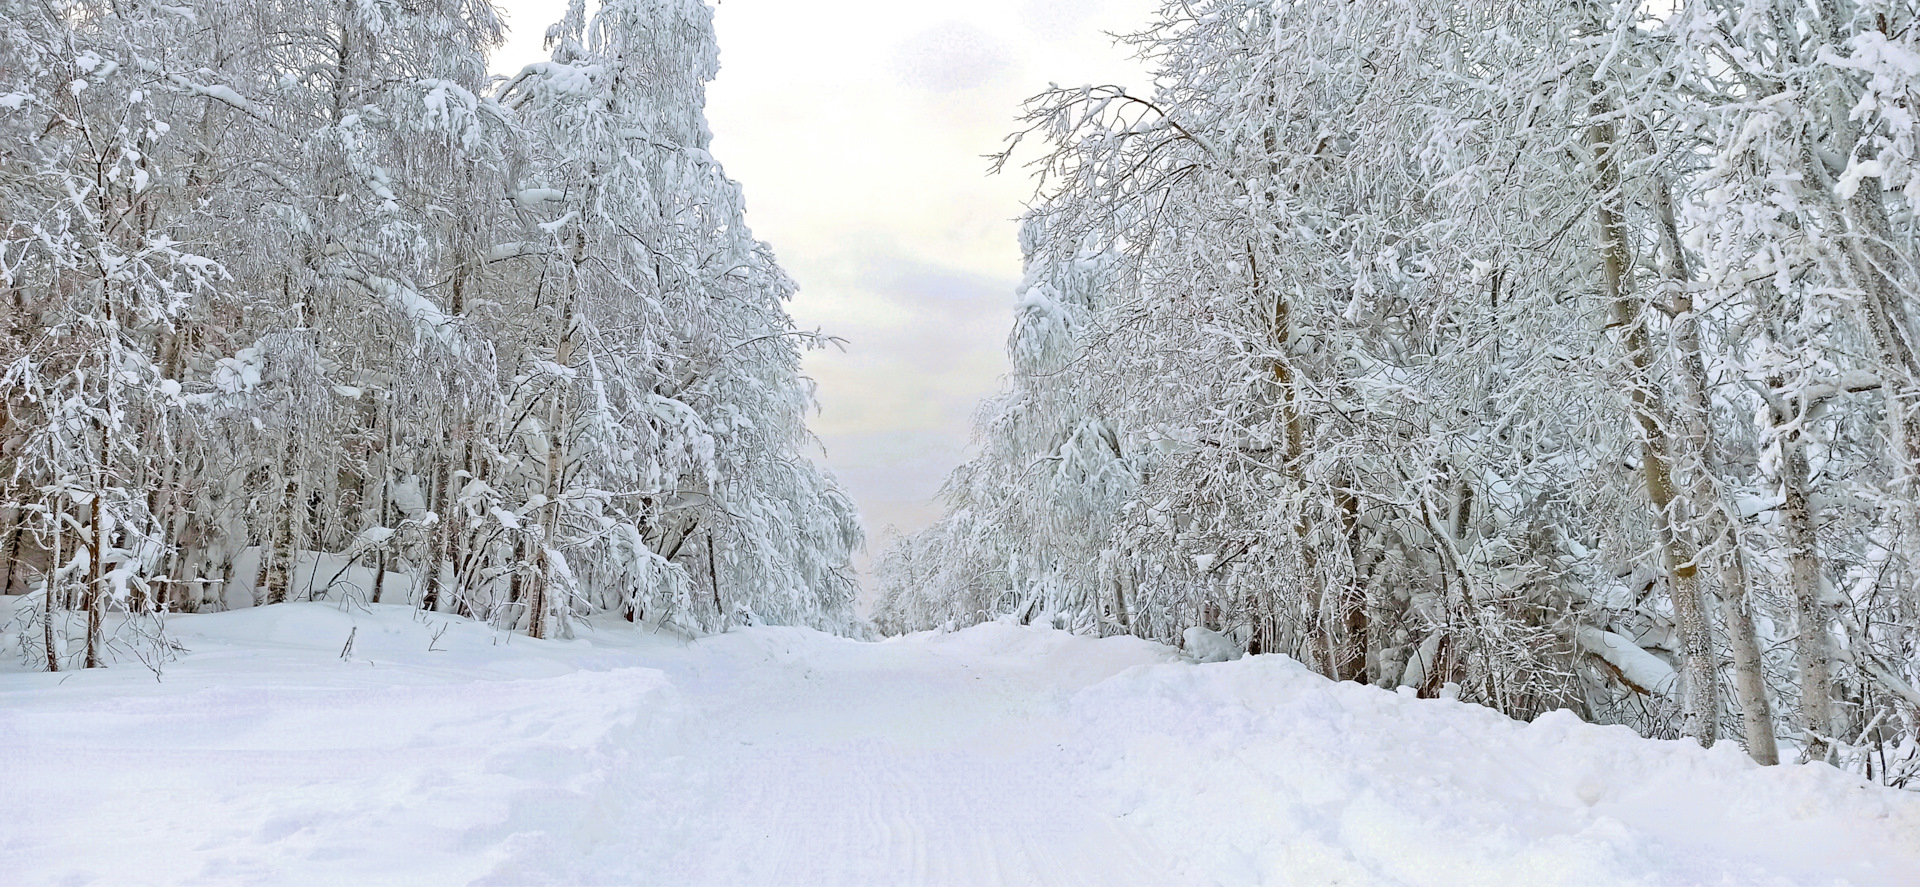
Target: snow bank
{"points": [[434, 751], [1262, 772]]}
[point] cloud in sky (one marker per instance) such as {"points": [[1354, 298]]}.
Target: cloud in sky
{"points": [[951, 56], [857, 128], [1066, 19]]}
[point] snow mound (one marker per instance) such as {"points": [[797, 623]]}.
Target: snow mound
{"points": [[1262, 772], [1206, 645]]}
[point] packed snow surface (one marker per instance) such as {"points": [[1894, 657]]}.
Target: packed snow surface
{"points": [[438, 751]]}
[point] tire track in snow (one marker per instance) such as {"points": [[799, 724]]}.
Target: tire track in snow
{"points": [[883, 768]]}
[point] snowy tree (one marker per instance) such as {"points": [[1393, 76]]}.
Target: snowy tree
{"points": [[1549, 357], [301, 304]]}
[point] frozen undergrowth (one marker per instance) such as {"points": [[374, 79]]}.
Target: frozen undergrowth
{"points": [[437, 751]]}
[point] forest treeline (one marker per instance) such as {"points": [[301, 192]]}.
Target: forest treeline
{"points": [[299, 302], [1542, 354]]}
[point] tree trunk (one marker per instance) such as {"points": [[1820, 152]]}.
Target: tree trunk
{"points": [[276, 571], [279, 551], [1812, 646], [97, 549], [1319, 642], [386, 497], [163, 504], [53, 582], [1756, 713], [9, 549], [1351, 663], [455, 549], [713, 577], [379, 574], [437, 538], [541, 592], [1749, 677], [162, 491], [1872, 264], [536, 591], [540, 587], [1700, 703], [517, 582], [178, 560]]}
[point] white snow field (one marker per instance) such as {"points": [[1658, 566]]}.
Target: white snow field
{"points": [[442, 752]]}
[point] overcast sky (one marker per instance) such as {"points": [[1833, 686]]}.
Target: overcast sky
{"points": [[857, 129]]}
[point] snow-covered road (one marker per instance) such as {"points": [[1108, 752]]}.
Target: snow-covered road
{"points": [[998, 755], [888, 763]]}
